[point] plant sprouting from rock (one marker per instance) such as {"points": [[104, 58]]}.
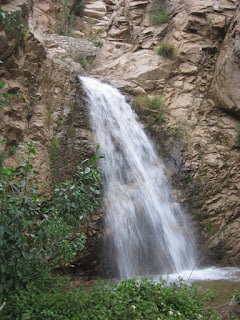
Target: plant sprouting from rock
{"points": [[158, 13], [238, 135], [12, 24], [3, 95], [85, 62], [167, 50], [155, 105]]}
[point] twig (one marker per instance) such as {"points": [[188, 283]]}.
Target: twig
{"points": [[2, 306]]}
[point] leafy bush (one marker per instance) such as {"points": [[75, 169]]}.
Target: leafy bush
{"points": [[167, 50], [129, 300], [19, 206], [11, 23], [3, 95], [77, 199], [33, 233]]}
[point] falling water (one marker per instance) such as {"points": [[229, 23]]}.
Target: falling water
{"points": [[146, 230]]}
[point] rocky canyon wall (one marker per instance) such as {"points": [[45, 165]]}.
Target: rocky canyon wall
{"points": [[200, 88]]}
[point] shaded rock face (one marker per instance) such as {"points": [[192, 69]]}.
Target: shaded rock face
{"points": [[200, 89], [226, 80]]}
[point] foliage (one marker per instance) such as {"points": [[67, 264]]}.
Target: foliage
{"points": [[158, 14], [85, 62], [238, 135], [128, 300], [94, 36], [3, 95], [157, 103], [154, 103], [79, 8], [11, 23], [167, 50], [68, 15], [231, 310], [18, 249], [66, 18], [76, 199], [159, 118], [33, 233]]}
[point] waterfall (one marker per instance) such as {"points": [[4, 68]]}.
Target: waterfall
{"points": [[146, 230]]}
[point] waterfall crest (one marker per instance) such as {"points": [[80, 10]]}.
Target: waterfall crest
{"points": [[146, 230]]}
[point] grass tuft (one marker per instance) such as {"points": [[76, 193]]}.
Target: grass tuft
{"points": [[167, 50]]}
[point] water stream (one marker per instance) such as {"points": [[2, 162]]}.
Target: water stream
{"points": [[146, 230]]}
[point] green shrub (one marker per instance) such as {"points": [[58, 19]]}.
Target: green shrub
{"points": [[157, 103], [143, 101], [34, 233], [167, 50], [158, 15], [77, 199], [129, 300], [85, 62], [79, 8], [159, 118], [12, 24], [238, 135], [94, 36], [3, 95], [154, 103], [19, 206]]}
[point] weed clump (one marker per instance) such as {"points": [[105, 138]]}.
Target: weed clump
{"points": [[167, 50], [155, 105], [85, 62], [158, 15], [238, 135]]}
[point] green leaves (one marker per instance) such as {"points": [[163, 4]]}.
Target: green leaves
{"points": [[4, 95], [33, 235], [79, 199], [131, 299], [11, 23]]}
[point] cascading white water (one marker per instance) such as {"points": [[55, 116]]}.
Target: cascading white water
{"points": [[146, 230]]}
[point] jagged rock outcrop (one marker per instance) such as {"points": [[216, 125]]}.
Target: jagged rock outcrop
{"points": [[226, 80]]}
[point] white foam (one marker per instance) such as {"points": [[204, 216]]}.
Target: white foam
{"points": [[208, 274]]}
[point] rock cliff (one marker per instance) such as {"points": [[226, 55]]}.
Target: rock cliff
{"points": [[200, 88]]}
